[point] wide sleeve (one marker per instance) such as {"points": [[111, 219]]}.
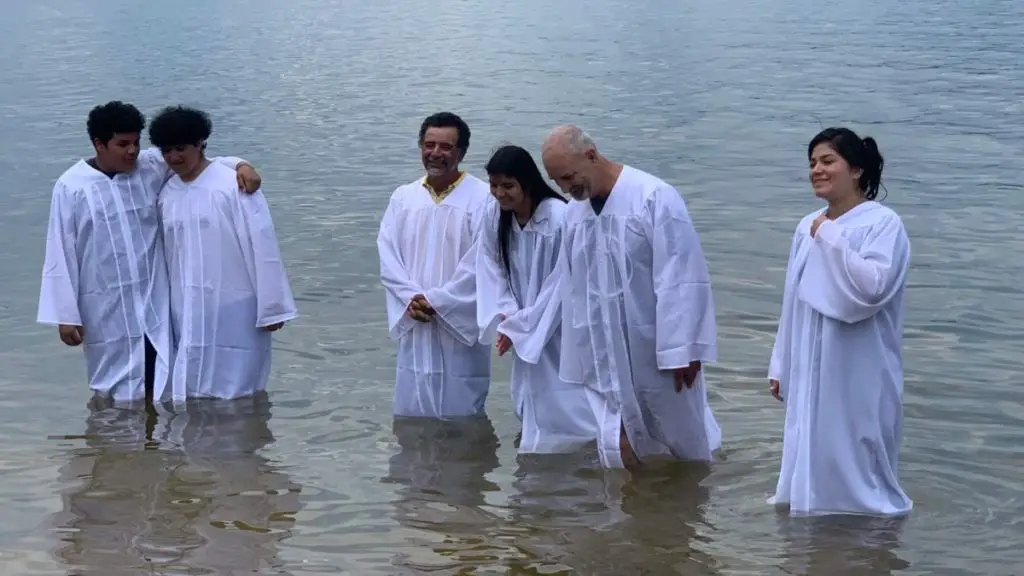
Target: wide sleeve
{"points": [[684, 308], [274, 301], [454, 302], [853, 285], [779, 361], [229, 161], [399, 287], [58, 293], [153, 168], [532, 327], [574, 338], [494, 299]]}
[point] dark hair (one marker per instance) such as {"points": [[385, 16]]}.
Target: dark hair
{"points": [[114, 118], [447, 120], [858, 152], [179, 126], [515, 162]]}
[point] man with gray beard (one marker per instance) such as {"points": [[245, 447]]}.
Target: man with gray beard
{"points": [[637, 316]]}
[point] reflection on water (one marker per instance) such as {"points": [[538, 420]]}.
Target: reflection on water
{"points": [[183, 492], [579, 519], [441, 470], [851, 545]]}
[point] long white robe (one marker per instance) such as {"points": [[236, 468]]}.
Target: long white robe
{"points": [[425, 248], [104, 271], [837, 356], [227, 283], [556, 416], [636, 304]]}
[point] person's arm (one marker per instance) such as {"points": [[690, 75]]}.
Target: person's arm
{"points": [[399, 288], [684, 307], [531, 328], [575, 337], [454, 303], [151, 160], [275, 304], [851, 285], [58, 292], [778, 363], [494, 300]]}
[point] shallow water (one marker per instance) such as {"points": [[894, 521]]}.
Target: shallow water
{"points": [[325, 98]]}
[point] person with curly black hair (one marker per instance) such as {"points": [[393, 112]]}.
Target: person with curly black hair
{"points": [[104, 283], [229, 288]]}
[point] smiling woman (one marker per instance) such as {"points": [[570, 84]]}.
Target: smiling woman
{"points": [[841, 329], [517, 282]]}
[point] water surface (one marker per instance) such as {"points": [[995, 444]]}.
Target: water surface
{"points": [[325, 97]]}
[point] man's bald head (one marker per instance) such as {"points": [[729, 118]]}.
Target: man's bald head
{"points": [[568, 139], [571, 160]]}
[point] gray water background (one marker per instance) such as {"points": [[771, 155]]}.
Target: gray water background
{"points": [[325, 97]]}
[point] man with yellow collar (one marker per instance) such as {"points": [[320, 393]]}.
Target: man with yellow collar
{"points": [[426, 266]]}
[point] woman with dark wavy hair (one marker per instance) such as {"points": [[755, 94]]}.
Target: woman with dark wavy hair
{"points": [[516, 285], [837, 363]]}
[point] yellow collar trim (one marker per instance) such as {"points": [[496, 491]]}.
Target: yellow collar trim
{"points": [[440, 196]]}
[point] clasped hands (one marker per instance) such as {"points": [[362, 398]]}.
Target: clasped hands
{"points": [[419, 309]]}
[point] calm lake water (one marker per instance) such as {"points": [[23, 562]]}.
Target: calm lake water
{"points": [[325, 97]]}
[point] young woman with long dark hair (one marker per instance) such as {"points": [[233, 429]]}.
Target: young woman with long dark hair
{"points": [[517, 293]]}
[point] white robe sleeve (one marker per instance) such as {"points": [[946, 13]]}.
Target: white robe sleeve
{"points": [[856, 284], [778, 363], [455, 301], [399, 288], [685, 310], [493, 297], [58, 294], [531, 328], [255, 229], [776, 366], [570, 361]]}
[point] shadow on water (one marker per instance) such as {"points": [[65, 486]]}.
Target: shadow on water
{"points": [[184, 492]]}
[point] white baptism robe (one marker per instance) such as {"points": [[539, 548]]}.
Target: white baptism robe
{"points": [[227, 283], [425, 247], [104, 271], [837, 357], [556, 416], [636, 303]]}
